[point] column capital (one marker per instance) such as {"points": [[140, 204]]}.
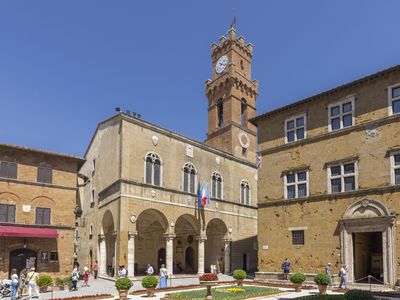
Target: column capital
{"points": [[169, 236], [115, 233], [228, 241], [201, 238], [132, 234], [101, 237]]}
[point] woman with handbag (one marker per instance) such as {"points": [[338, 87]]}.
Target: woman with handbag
{"points": [[163, 276]]}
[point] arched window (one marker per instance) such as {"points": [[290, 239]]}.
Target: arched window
{"points": [[220, 112], [153, 169], [216, 185], [243, 113], [244, 192], [189, 178]]}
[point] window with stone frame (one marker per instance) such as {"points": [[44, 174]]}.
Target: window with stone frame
{"points": [[153, 169], [341, 114], [43, 216], [296, 184], [395, 168], [343, 177], [394, 99], [189, 178], [298, 237], [295, 128], [216, 185], [245, 192], [7, 213], [44, 175], [8, 169], [53, 256]]}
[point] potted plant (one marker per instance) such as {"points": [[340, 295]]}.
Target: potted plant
{"points": [[322, 280], [150, 283], [208, 279], [43, 282], [67, 282], [60, 283], [297, 279], [239, 275], [123, 285]]}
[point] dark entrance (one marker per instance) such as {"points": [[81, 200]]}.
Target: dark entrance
{"points": [[368, 258], [189, 260], [160, 258], [22, 258], [244, 267]]}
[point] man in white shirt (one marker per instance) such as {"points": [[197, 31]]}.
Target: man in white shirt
{"points": [[342, 274], [150, 270]]}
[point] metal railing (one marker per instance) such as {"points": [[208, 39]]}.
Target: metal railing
{"points": [[370, 278]]}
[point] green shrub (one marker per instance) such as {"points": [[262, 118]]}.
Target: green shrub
{"points": [[149, 282], [44, 280], [239, 274], [67, 279], [123, 283], [60, 281], [358, 295], [297, 277], [322, 279]]}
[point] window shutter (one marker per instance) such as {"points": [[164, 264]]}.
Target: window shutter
{"points": [[192, 181], [12, 170], [40, 175], [148, 170], [3, 213], [157, 168], [39, 216], [11, 214], [46, 215], [49, 176]]}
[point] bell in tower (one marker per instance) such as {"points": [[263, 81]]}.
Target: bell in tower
{"points": [[232, 98]]}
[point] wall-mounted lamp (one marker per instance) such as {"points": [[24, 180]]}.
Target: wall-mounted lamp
{"points": [[24, 243], [230, 229]]}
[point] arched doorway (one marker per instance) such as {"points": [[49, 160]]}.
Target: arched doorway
{"points": [[368, 224], [22, 258], [215, 245], [189, 260], [187, 228], [110, 238], [150, 243], [161, 258]]}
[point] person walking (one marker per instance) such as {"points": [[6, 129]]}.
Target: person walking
{"points": [[14, 284], [31, 279], [21, 287], [150, 270], [95, 269], [342, 275], [286, 268], [163, 276], [85, 276], [328, 272], [74, 279]]}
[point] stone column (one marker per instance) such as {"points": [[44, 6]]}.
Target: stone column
{"points": [[102, 254], [200, 255], [115, 234], [131, 253], [227, 255], [169, 252]]}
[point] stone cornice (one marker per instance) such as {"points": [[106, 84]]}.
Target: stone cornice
{"points": [[226, 127], [331, 134], [323, 197], [46, 185]]}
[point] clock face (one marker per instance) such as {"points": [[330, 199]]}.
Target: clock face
{"points": [[221, 64]]}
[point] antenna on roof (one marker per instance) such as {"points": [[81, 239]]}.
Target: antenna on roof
{"points": [[128, 111], [118, 109], [139, 116]]}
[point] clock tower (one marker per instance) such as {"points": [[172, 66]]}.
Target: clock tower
{"points": [[232, 98]]}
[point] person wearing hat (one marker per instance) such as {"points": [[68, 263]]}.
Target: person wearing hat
{"points": [[328, 272], [31, 278]]}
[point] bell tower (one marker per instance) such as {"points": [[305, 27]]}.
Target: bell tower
{"points": [[232, 98]]}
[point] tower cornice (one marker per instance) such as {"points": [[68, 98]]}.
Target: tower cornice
{"points": [[237, 81]]}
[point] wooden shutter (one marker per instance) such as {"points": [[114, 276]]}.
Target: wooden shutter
{"points": [[49, 175], [46, 216], [39, 216], [12, 170], [3, 213], [11, 214]]}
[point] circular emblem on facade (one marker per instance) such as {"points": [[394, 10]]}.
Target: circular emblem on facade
{"points": [[154, 139], [244, 140], [133, 218], [153, 193]]}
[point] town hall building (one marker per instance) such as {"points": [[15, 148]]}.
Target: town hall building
{"points": [[138, 189]]}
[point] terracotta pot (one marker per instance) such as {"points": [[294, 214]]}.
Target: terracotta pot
{"points": [[150, 292], [123, 294], [297, 287], [43, 289], [322, 289], [61, 287], [239, 282], [208, 284]]}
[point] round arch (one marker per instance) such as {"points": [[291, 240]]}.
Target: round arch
{"points": [[216, 232], [108, 244]]}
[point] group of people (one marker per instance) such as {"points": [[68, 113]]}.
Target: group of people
{"points": [[342, 272], [75, 275], [26, 279], [163, 275]]}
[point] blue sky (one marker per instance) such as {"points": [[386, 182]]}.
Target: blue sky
{"points": [[65, 65]]}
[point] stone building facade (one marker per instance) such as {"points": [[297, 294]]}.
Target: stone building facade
{"points": [[38, 193], [139, 196], [329, 181]]}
